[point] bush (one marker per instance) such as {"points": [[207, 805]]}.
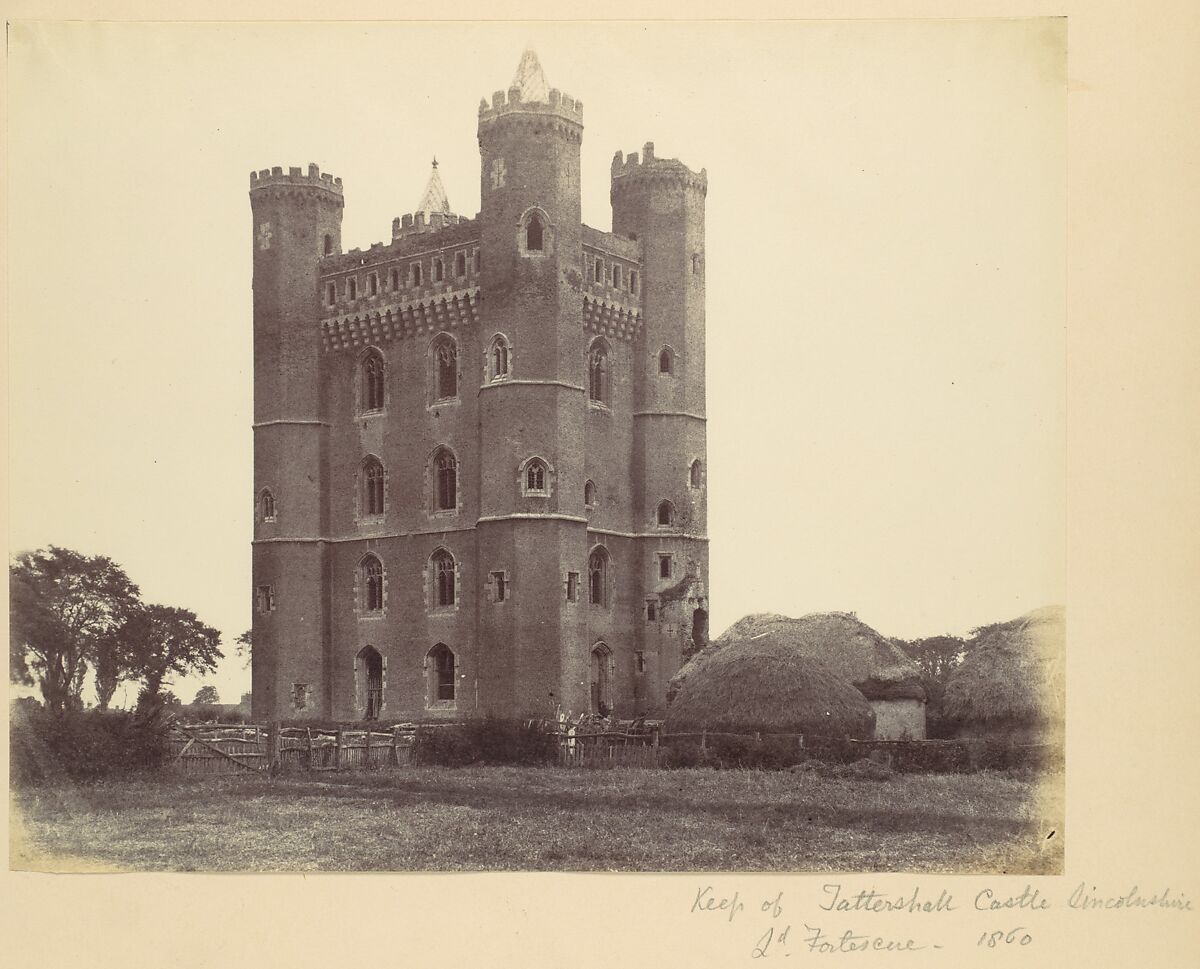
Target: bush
{"points": [[84, 745], [487, 740]]}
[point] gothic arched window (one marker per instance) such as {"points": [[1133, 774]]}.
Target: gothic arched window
{"points": [[666, 360], [460, 264], [445, 369], [598, 577], [442, 670], [372, 485], [444, 579], [536, 475], [598, 383], [372, 584], [696, 474], [498, 358], [266, 506], [534, 231], [372, 382], [445, 480], [666, 513], [589, 493]]}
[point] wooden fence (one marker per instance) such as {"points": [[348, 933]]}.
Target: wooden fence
{"points": [[234, 748]]}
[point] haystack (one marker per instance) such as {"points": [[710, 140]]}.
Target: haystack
{"points": [[1011, 684], [761, 685]]}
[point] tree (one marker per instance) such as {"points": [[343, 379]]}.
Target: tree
{"points": [[244, 646], [206, 695], [164, 640], [64, 606]]}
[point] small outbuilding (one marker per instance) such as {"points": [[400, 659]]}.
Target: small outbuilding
{"points": [[855, 653], [763, 685], [1011, 685]]}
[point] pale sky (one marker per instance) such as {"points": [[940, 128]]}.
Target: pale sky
{"points": [[885, 266]]}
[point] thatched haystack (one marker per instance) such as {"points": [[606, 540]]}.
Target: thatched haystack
{"points": [[1012, 683], [872, 663], [761, 685]]}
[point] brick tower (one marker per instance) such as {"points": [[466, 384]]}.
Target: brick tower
{"points": [[480, 447]]}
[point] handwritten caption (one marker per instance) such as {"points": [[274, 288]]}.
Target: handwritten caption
{"points": [[817, 922]]}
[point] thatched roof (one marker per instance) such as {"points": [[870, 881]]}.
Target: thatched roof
{"points": [[760, 685], [1014, 672], [871, 662]]}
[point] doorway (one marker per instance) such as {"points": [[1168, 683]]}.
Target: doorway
{"points": [[369, 682], [601, 696]]}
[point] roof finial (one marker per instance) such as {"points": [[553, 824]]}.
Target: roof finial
{"points": [[435, 161]]}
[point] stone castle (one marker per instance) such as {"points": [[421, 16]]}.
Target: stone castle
{"points": [[479, 448]]}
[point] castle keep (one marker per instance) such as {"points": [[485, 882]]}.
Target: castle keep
{"points": [[479, 448]]}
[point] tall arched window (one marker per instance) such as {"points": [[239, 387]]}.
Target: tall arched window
{"points": [[533, 234], [498, 358], [444, 585], [460, 264], [696, 474], [598, 383], [266, 506], [666, 513], [415, 273], [372, 382], [589, 493], [371, 576], [666, 360], [445, 368], [442, 670], [445, 480], [372, 486], [598, 577], [439, 272], [328, 243]]}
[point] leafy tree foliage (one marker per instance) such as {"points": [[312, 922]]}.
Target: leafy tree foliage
{"points": [[163, 641], [206, 695], [244, 646], [64, 607], [938, 657]]}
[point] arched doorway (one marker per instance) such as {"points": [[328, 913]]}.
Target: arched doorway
{"points": [[601, 695], [368, 682]]}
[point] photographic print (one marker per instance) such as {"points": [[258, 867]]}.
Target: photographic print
{"points": [[539, 447]]}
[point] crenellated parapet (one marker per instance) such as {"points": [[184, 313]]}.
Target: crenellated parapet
{"points": [[295, 182], [565, 114], [648, 172], [417, 223]]}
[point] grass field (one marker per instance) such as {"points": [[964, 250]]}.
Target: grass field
{"points": [[510, 818]]}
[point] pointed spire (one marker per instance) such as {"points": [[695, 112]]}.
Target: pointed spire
{"points": [[434, 199], [530, 79]]}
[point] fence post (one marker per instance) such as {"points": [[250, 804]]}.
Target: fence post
{"points": [[395, 742], [308, 736], [274, 744], [367, 753], [704, 738], [337, 760]]}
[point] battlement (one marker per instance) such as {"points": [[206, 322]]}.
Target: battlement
{"points": [[632, 170], [415, 223], [295, 178], [510, 102]]}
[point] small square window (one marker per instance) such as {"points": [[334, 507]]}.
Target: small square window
{"points": [[664, 566], [299, 695], [572, 587]]}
